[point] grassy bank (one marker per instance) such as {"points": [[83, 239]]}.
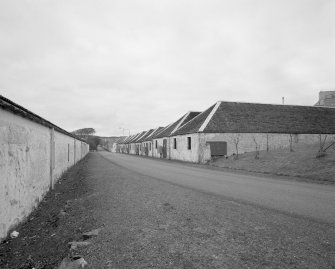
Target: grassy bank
{"points": [[300, 163]]}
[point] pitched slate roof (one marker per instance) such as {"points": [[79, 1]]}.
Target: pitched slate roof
{"points": [[129, 138], [158, 132], [148, 133], [138, 138], [234, 117], [194, 124], [155, 132], [170, 129], [134, 139]]}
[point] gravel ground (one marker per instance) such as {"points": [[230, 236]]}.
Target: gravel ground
{"points": [[147, 223]]}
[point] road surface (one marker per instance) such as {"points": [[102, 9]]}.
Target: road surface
{"points": [[146, 219], [299, 198]]}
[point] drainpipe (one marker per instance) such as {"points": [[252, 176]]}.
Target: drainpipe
{"points": [[199, 148], [52, 156], [74, 151], [169, 148]]}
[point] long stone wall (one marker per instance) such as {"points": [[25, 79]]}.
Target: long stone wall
{"points": [[32, 158]]}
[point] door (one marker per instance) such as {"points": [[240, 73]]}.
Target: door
{"points": [[218, 148]]}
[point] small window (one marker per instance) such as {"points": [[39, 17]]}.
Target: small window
{"points": [[68, 152], [150, 146], [188, 142], [156, 144], [175, 143]]}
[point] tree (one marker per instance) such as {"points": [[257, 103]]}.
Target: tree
{"points": [[84, 131], [322, 145], [93, 141], [236, 138]]}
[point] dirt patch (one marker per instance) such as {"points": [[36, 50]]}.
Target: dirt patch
{"points": [[60, 218], [300, 163]]}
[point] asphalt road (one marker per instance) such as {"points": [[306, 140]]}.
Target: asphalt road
{"points": [[146, 219], [298, 198]]}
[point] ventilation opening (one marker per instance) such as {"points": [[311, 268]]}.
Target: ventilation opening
{"points": [[188, 142]]}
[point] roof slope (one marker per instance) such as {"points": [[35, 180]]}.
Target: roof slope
{"points": [[167, 131], [148, 133], [137, 137], [129, 138], [194, 124], [154, 133], [176, 125], [234, 117]]}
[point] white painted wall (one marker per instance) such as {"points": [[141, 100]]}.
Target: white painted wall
{"points": [[200, 151], [182, 153], [155, 151], [26, 158], [147, 144]]}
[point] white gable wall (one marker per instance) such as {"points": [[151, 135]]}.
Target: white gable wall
{"points": [[182, 152]]}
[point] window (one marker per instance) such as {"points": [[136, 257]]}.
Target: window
{"points": [[188, 142], [175, 143], [68, 152], [156, 143], [150, 146]]}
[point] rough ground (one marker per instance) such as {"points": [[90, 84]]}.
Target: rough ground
{"points": [[301, 163], [149, 223]]}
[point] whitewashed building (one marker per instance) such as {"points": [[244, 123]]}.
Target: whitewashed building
{"points": [[229, 126], [161, 140]]}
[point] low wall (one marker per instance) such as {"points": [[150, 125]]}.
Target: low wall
{"points": [[32, 157]]}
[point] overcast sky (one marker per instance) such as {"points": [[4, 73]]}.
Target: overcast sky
{"points": [[142, 64]]}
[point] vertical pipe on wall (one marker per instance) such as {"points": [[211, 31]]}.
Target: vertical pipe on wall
{"points": [[52, 156], [169, 145], [199, 158], [74, 151]]}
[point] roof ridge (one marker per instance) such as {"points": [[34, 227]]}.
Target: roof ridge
{"points": [[239, 102], [209, 117]]}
